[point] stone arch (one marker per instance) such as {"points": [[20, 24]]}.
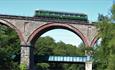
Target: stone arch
{"points": [[96, 38], [49, 26], [5, 22]]}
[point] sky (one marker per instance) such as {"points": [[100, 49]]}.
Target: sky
{"points": [[27, 8]]}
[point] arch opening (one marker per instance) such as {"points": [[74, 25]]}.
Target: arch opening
{"points": [[9, 48], [41, 30], [97, 43], [63, 35], [10, 25], [46, 46]]}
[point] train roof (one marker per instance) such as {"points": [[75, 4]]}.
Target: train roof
{"points": [[61, 12]]}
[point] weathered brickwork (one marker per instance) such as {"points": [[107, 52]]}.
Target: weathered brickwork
{"points": [[30, 28]]}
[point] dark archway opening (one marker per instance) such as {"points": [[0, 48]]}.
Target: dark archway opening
{"points": [[9, 48], [48, 46]]}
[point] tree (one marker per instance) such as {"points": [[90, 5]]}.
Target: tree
{"points": [[113, 11], [9, 48], [105, 53], [48, 46]]}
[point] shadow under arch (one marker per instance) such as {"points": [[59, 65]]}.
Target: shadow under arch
{"points": [[4, 22], [49, 26]]}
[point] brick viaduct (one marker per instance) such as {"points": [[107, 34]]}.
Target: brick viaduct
{"points": [[29, 30]]}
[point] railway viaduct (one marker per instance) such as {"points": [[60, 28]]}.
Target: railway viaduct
{"points": [[29, 29]]}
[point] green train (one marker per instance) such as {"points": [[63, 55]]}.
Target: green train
{"points": [[61, 15]]}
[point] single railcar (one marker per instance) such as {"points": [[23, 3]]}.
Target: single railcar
{"points": [[61, 15]]}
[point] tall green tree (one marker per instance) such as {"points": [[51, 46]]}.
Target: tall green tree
{"points": [[105, 53]]}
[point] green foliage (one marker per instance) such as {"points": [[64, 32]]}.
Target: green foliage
{"points": [[42, 66], [48, 46], [113, 11], [23, 67], [111, 64], [9, 47], [105, 53]]}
